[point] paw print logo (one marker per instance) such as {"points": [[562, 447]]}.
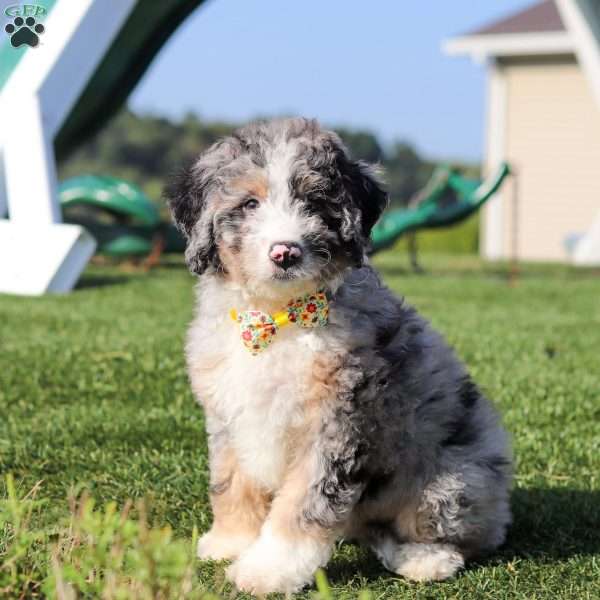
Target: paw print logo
{"points": [[24, 31]]}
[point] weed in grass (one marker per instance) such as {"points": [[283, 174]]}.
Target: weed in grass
{"points": [[21, 546], [98, 553]]}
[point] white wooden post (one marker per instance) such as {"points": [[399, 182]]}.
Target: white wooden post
{"points": [[582, 18], [38, 253], [493, 221]]}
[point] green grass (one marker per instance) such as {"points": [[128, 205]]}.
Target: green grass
{"points": [[94, 396]]}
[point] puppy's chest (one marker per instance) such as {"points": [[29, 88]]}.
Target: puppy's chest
{"points": [[262, 401]]}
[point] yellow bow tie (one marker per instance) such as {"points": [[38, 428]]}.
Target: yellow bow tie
{"points": [[257, 329]]}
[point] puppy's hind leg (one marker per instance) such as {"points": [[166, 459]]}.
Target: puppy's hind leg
{"points": [[459, 515], [418, 561]]}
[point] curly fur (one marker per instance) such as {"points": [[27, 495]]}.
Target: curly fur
{"points": [[369, 428]]}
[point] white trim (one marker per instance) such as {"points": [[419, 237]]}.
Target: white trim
{"points": [[492, 224], [481, 47], [583, 20]]}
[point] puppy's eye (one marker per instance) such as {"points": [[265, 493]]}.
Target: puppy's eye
{"points": [[251, 204]]}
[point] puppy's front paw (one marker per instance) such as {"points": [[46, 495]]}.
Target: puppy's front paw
{"points": [[219, 546], [258, 574], [274, 564]]}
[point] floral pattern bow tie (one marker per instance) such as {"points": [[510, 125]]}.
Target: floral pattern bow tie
{"points": [[258, 329]]}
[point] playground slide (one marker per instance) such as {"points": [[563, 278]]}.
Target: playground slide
{"points": [[447, 199], [454, 199]]}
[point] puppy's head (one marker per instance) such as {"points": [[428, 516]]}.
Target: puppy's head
{"points": [[277, 208]]}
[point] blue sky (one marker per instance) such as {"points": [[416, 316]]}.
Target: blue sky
{"points": [[374, 64]]}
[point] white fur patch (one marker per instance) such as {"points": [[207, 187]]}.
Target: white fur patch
{"points": [[274, 564], [222, 547], [257, 398], [279, 163], [420, 562], [279, 218]]}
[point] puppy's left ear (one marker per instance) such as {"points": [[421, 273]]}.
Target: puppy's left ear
{"points": [[366, 193]]}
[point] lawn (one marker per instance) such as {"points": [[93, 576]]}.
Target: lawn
{"points": [[94, 399]]}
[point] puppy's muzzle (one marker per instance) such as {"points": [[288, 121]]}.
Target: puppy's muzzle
{"points": [[285, 254]]}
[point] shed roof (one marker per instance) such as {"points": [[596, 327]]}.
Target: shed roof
{"points": [[540, 18]]}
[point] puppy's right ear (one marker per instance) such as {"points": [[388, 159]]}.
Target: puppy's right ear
{"points": [[184, 199], [188, 194]]}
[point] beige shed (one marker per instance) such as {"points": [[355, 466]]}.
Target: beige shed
{"points": [[543, 116]]}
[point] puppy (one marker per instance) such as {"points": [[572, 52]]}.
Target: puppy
{"points": [[333, 410]]}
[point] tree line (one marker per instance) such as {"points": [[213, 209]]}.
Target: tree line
{"points": [[146, 149]]}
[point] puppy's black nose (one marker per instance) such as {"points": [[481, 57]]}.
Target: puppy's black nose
{"points": [[285, 254]]}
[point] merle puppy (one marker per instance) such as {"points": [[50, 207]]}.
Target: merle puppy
{"points": [[333, 410]]}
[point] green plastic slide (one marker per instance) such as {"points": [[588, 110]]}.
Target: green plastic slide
{"points": [[449, 199], [109, 193], [135, 222], [117, 213], [121, 218]]}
